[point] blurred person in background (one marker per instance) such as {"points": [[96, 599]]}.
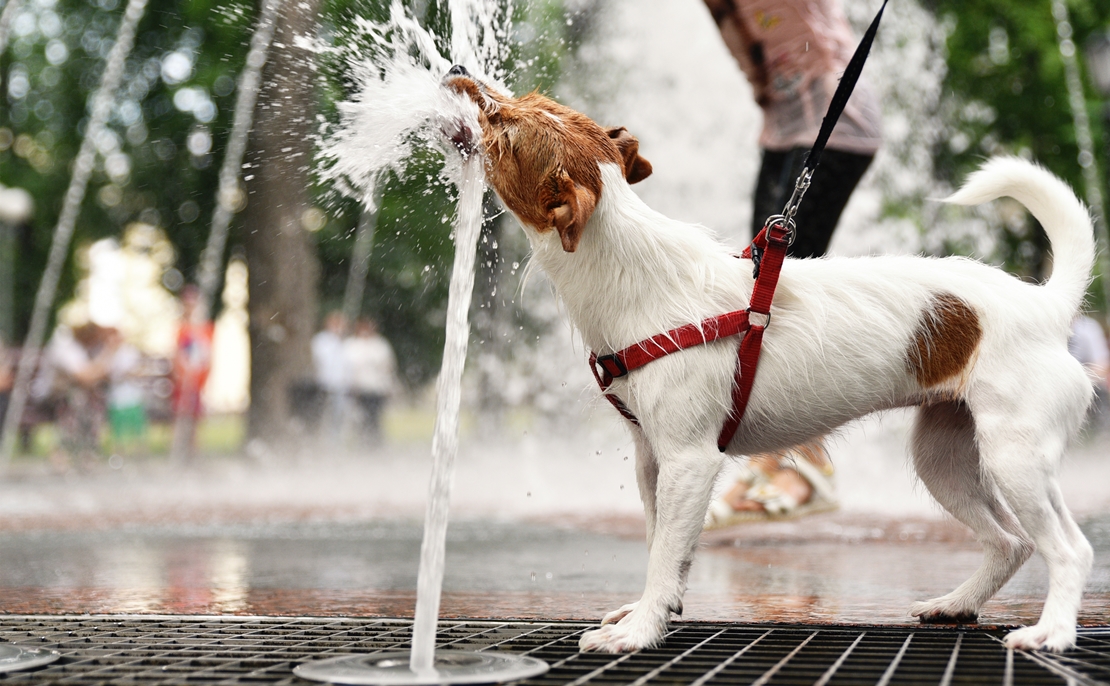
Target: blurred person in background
{"points": [[127, 415], [1087, 344], [793, 53], [373, 375], [73, 376], [7, 377], [191, 363], [332, 373]]}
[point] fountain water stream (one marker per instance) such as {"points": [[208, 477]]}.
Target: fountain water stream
{"points": [[402, 102], [445, 441]]}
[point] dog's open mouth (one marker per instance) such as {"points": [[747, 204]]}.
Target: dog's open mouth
{"points": [[457, 129], [460, 134]]}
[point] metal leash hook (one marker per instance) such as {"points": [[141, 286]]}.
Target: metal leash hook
{"points": [[784, 220], [791, 209]]}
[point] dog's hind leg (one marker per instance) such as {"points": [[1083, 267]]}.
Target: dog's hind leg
{"points": [[647, 479], [946, 458], [1022, 454], [685, 482]]}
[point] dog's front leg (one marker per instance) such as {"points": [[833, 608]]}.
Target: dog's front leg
{"points": [[684, 484], [647, 478]]}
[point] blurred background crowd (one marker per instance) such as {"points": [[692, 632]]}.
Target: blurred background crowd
{"points": [[326, 311]]}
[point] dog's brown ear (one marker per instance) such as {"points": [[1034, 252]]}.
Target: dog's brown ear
{"points": [[569, 208], [636, 168]]}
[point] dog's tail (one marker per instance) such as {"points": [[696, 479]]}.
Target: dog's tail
{"points": [[1053, 203]]}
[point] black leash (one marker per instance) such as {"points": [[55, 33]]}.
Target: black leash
{"points": [[836, 108]]}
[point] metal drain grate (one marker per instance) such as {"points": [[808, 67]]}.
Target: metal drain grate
{"points": [[264, 650]]}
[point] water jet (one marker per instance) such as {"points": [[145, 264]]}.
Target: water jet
{"points": [[403, 102]]}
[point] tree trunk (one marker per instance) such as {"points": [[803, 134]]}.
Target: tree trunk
{"points": [[281, 254]]}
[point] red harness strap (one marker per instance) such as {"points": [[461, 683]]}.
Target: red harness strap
{"points": [[767, 251]]}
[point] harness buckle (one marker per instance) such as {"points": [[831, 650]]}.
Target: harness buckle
{"points": [[764, 319], [612, 365], [757, 257]]}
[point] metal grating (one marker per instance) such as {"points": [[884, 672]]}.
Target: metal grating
{"points": [[263, 650]]}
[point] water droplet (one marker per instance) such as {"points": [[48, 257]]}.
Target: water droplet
{"points": [[626, 458], [533, 576], [597, 453], [622, 487], [550, 575]]}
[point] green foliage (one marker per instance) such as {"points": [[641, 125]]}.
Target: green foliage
{"points": [[1006, 93], [178, 87], [406, 289]]}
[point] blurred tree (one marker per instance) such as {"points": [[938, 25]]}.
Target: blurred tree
{"points": [[168, 123], [1005, 92], [281, 255]]}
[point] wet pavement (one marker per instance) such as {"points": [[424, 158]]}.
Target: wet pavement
{"points": [[531, 538], [505, 570]]}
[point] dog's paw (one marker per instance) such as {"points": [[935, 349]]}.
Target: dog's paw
{"points": [[945, 611], [617, 615], [634, 631], [1038, 637]]}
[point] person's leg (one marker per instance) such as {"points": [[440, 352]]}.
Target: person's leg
{"points": [[828, 194], [370, 407], [771, 184]]}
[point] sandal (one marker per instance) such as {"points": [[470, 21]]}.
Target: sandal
{"points": [[779, 505], [721, 514]]}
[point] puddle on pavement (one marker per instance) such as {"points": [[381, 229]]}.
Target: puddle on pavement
{"points": [[494, 569]]}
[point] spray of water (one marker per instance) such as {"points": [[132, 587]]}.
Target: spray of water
{"points": [[401, 104]]}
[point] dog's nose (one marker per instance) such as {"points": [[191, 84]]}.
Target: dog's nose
{"points": [[458, 70]]}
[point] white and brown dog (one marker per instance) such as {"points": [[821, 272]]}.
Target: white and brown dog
{"points": [[983, 355]]}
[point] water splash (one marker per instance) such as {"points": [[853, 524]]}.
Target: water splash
{"points": [[401, 105]]}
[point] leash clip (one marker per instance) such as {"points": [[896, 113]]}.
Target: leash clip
{"points": [[791, 209]]}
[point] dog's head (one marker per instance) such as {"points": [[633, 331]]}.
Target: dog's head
{"points": [[542, 158]]}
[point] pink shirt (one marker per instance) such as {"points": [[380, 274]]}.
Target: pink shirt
{"points": [[805, 46]]}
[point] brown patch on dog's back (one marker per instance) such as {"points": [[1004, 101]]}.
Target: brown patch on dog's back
{"points": [[945, 339]]}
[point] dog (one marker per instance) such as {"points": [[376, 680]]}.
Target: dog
{"points": [[981, 354]]}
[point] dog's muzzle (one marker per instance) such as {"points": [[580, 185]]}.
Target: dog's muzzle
{"points": [[456, 131]]}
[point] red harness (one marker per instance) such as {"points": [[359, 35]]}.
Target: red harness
{"points": [[767, 251]]}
